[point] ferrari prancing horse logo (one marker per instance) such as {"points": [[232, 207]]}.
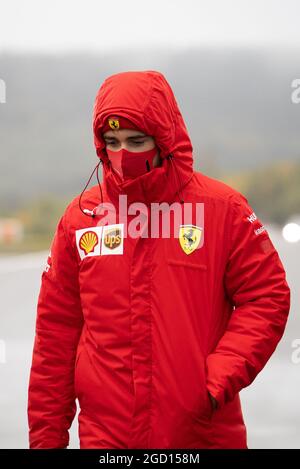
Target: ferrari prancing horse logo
{"points": [[189, 237], [114, 123]]}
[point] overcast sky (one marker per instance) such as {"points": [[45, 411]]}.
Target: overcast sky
{"points": [[57, 25]]}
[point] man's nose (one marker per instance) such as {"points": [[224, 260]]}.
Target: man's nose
{"points": [[124, 145]]}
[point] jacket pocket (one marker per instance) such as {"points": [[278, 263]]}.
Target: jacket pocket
{"points": [[208, 408], [204, 408], [186, 264]]}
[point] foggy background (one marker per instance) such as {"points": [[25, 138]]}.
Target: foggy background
{"points": [[231, 66]]}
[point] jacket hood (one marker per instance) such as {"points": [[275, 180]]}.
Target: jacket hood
{"points": [[147, 100]]}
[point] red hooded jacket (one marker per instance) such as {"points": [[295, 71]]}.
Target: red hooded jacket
{"points": [[139, 334]]}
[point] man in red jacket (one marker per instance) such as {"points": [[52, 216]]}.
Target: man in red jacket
{"points": [[155, 335]]}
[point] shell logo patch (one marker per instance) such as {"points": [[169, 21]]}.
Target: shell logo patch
{"points": [[190, 237], [114, 123], [100, 240], [112, 239], [88, 241]]}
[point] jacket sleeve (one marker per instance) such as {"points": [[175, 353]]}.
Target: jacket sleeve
{"points": [[51, 398], [256, 286]]}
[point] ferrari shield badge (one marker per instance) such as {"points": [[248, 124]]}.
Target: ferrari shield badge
{"points": [[114, 123], [190, 237]]}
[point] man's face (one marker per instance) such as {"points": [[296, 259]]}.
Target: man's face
{"points": [[131, 140]]}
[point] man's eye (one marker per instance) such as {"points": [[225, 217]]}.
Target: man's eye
{"points": [[138, 143]]}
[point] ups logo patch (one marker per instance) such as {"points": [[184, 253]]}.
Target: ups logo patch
{"points": [[112, 238]]}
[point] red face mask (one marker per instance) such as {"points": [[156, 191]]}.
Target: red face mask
{"points": [[131, 164]]}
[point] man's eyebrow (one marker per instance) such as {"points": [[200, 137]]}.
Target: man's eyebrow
{"points": [[128, 138], [137, 136]]}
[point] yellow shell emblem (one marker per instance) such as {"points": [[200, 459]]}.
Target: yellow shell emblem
{"points": [[114, 124], [189, 238], [88, 241]]}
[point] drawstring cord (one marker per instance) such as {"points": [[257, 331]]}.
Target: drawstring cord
{"points": [[86, 211], [170, 157]]}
